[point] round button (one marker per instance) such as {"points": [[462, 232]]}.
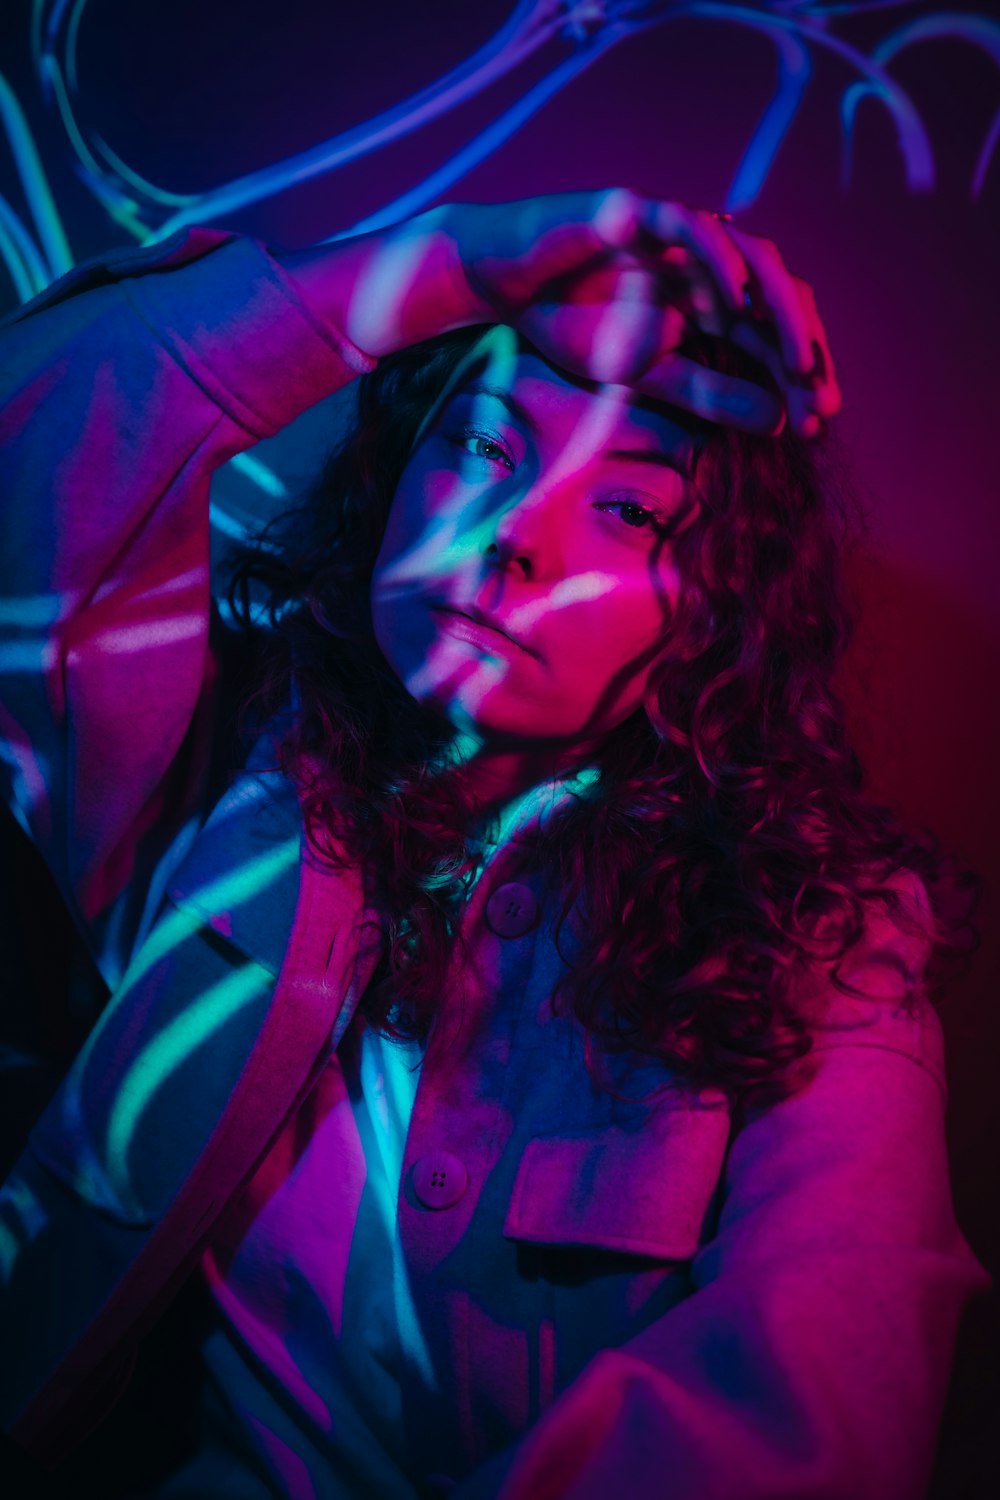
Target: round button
{"points": [[512, 910], [439, 1179]]}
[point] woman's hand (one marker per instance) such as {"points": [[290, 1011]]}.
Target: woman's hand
{"points": [[608, 285]]}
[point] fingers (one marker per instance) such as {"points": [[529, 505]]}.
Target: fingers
{"points": [[725, 280], [608, 338], [753, 281], [824, 383], [772, 289], [812, 397], [725, 399], [627, 222], [798, 397]]}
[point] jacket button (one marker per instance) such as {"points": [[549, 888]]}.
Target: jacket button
{"points": [[439, 1179], [512, 910]]}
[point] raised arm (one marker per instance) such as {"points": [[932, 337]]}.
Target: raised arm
{"points": [[606, 284], [123, 387], [128, 382]]}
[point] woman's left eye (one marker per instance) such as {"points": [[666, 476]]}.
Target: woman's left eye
{"points": [[637, 516]]}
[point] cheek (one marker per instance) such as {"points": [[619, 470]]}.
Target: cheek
{"points": [[402, 563], [622, 623], [610, 647], [429, 534]]}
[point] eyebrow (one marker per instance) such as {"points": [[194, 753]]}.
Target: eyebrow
{"points": [[516, 408], [651, 456]]}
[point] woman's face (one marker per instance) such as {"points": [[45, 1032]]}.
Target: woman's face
{"points": [[524, 581]]}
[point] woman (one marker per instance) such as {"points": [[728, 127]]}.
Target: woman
{"points": [[529, 1046]]}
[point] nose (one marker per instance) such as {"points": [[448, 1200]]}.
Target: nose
{"points": [[505, 557], [520, 537]]}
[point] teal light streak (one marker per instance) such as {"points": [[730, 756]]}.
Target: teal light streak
{"points": [[986, 156], [541, 803], [264, 478], [71, 39], [162, 1056], [14, 262], [225, 893], [227, 525], [31, 257], [481, 146], [962, 26], [10, 1246], [141, 184], [39, 43], [123, 210], [909, 130], [32, 656], [172, 929], [593, 25], [794, 70], [533, 24], [34, 182], [411, 1334], [18, 1202], [32, 610]]}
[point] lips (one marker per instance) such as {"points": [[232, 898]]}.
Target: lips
{"points": [[480, 617]]}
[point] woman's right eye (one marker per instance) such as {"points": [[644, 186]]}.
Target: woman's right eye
{"points": [[482, 445]]}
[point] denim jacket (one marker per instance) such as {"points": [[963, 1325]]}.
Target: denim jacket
{"points": [[626, 1292]]}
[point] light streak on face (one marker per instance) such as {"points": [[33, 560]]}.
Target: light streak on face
{"points": [[525, 581]]}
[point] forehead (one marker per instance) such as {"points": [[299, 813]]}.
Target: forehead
{"points": [[558, 411]]}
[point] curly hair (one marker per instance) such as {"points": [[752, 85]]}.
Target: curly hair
{"points": [[728, 842]]}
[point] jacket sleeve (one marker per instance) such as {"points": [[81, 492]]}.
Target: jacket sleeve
{"points": [[813, 1358], [122, 387]]}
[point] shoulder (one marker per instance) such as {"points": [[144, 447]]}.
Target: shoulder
{"points": [[889, 957], [875, 995]]}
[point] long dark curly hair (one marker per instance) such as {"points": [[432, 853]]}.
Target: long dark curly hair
{"points": [[728, 845]]}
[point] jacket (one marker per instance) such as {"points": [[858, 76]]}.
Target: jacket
{"points": [[669, 1297]]}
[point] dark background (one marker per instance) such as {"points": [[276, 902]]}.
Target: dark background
{"points": [[192, 93]]}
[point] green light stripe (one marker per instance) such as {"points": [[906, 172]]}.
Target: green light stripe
{"points": [[170, 931], [34, 182], [166, 1053]]}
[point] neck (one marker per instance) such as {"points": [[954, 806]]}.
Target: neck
{"points": [[494, 777]]}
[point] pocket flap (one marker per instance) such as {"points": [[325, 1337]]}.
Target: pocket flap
{"points": [[641, 1192]]}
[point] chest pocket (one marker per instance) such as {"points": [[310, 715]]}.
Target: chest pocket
{"points": [[606, 1223], [648, 1191]]}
